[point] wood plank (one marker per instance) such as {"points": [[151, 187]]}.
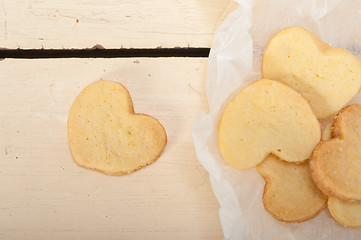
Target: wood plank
{"points": [[43, 193], [112, 24]]}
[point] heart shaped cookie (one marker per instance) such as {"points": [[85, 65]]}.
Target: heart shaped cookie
{"points": [[335, 164], [289, 194], [328, 77], [267, 117], [106, 135]]}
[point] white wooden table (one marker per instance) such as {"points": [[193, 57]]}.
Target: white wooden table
{"points": [[43, 193]]}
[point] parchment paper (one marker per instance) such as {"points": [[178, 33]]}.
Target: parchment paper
{"points": [[234, 62]]}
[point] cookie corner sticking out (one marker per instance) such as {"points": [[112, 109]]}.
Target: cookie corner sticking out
{"points": [[106, 135], [345, 213]]}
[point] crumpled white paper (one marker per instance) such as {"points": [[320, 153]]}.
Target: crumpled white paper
{"points": [[234, 62]]}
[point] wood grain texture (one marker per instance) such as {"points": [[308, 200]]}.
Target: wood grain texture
{"points": [[45, 194], [112, 24]]}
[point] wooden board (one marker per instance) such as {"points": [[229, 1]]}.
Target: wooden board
{"points": [[45, 195], [112, 24]]}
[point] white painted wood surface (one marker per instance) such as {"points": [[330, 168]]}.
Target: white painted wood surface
{"points": [[110, 23], [45, 195]]}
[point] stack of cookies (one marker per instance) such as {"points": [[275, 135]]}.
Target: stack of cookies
{"points": [[273, 125]]}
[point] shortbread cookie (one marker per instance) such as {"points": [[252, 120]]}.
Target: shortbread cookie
{"points": [[106, 135], [328, 77], [290, 194], [267, 117], [336, 164], [345, 213]]}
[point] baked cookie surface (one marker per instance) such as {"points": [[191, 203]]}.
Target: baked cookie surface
{"points": [[267, 117], [328, 77], [290, 194], [106, 135], [345, 213], [335, 164]]}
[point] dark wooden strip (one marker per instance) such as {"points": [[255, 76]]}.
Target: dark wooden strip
{"points": [[104, 53]]}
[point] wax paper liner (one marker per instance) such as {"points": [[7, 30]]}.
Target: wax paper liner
{"points": [[234, 62]]}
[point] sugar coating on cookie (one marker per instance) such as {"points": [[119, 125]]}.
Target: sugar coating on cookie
{"points": [[106, 135], [328, 77], [336, 163], [290, 194], [267, 117]]}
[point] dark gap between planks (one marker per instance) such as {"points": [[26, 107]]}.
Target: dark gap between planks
{"points": [[104, 53]]}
